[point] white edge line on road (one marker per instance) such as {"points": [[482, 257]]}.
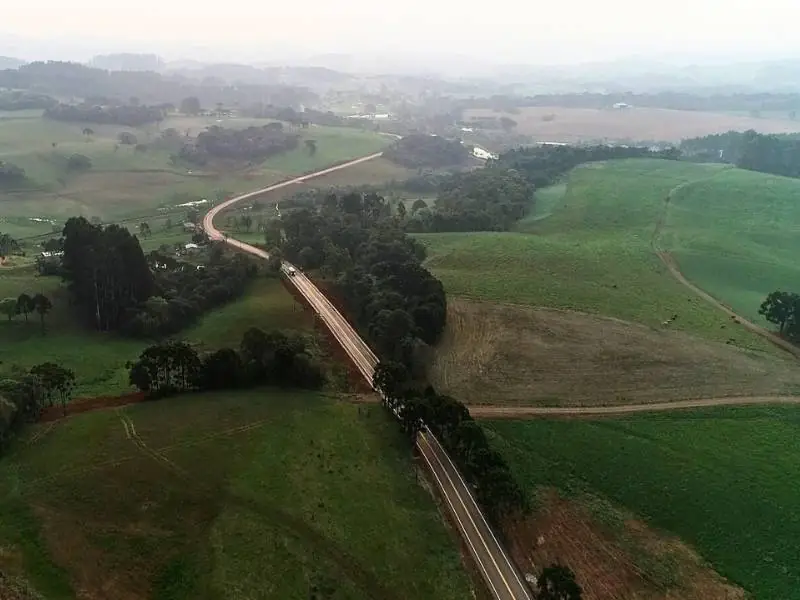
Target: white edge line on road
{"points": [[340, 333], [480, 512], [475, 552], [475, 525]]}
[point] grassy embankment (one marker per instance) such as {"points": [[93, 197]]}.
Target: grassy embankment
{"points": [[261, 494]]}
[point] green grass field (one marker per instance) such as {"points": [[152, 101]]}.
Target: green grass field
{"points": [[547, 201], [263, 494], [734, 236], [99, 359], [593, 253], [123, 183], [726, 481]]}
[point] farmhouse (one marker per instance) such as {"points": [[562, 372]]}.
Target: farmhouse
{"points": [[483, 154]]}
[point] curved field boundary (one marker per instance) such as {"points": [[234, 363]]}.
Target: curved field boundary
{"points": [[672, 266], [521, 412], [516, 412]]}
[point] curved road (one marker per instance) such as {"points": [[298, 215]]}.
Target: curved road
{"points": [[500, 574]]}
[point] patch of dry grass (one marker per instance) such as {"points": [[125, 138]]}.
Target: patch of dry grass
{"points": [[613, 554], [510, 354]]}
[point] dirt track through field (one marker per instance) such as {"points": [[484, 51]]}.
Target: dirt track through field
{"points": [[521, 412], [41, 432], [516, 412], [672, 266]]}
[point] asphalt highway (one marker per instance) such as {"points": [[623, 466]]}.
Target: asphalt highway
{"points": [[501, 576]]}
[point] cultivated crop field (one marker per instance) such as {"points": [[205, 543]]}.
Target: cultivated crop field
{"points": [[735, 236], [588, 248], [263, 494], [124, 183], [725, 480], [559, 124], [98, 359]]}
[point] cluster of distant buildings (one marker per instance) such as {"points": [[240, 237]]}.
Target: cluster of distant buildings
{"points": [[371, 116]]}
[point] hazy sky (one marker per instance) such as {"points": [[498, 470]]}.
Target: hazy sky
{"points": [[509, 30]]}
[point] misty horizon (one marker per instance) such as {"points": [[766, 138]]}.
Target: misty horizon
{"points": [[571, 33]]}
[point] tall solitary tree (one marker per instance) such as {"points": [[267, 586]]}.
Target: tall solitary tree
{"points": [[7, 245], [42, 306], [507, 123], [8, 307], [780, 308], [25, 305], [190, 105], [418, 205]]}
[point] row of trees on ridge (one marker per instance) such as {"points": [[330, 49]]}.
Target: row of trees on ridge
{"points": [[496, 489], [496, 196], [26, 304], [420, 150], [252, 143], [125, 114], [778, 154], [263, 358], [24, 395], [11, 174], [375, 267], [354, 240]]}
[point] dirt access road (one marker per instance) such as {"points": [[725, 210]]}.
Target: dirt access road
{"points": [[675, 271], [516, 412]]}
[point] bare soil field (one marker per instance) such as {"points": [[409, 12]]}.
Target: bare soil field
{"points": [[501, 354], [558, 124], [614, 556]]}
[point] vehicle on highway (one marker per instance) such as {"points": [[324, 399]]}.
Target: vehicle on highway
{"points": [[292, 271]]}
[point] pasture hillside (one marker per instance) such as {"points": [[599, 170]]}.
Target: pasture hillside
{"points": [[589, 249], [124, 182], [592, 254], [735, 236], [724, 480], [264, 494], [99, 359], [571, 125]]}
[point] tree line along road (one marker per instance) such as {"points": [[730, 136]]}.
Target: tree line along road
{"points": [[500, 574]]}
